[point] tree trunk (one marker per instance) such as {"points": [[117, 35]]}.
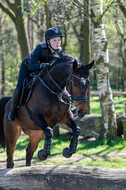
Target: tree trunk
{"points": [[122, 7], [86, 42], [122, 47], [102, 70], [48, 23], [21, 31], [30, 26], [40, 24], [15, 12], [2, 58]]}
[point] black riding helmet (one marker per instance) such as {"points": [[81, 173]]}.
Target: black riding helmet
{"points": [[53, 33]]}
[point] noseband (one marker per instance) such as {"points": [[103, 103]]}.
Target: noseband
{"points": [[79, 98]]}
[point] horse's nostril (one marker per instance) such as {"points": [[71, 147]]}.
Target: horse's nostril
{"points": [[81, 113]]}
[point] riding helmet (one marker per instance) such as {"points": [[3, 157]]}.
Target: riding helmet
{"points": [[53, 33]]}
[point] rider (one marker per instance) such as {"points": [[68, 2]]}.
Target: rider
{"points": [[38, 59]]}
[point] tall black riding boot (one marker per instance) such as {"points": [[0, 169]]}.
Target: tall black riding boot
{"points": [[15, 100]]}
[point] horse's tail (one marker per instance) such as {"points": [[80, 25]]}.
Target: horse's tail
{"points": [[3, 102]]}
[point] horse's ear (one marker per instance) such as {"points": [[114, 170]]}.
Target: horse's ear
{"points": [[75, 64], [90, 65]]}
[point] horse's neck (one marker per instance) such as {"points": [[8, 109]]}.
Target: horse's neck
{"points": [[60, 74]]}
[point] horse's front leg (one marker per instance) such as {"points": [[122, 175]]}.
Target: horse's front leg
{"points": [[68, 151], [45, 152]]}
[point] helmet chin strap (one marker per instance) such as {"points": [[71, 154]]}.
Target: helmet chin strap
{"points": [[51, 46]]}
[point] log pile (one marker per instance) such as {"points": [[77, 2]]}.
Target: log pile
{"points": [[91, 125]]}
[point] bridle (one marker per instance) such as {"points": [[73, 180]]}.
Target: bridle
{"points": [[62, 92], [82, 82]]}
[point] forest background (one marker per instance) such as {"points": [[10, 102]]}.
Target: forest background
{"points": [[93, 30]]}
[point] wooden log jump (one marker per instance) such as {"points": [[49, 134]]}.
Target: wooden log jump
{"points": [[114, 93], [62, 178]]}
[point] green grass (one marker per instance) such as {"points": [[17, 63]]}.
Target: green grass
{"points": [[101, 153], [119, 103]]}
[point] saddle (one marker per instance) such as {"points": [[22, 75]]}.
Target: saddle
{"points": [[27, 89]]}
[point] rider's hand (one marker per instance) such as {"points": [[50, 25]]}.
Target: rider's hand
{"points": [[43, 65]]}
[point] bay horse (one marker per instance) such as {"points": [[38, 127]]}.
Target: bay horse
{"points": [[66, 80]]}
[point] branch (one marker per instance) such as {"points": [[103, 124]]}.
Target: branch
{"points": [[7, 11], [75, 31], [81, 4], [101, 16], [11, 5], [122, 7], [74, 3], [118, 28]]}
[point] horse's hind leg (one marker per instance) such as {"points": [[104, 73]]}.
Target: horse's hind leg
{"points": [[35, 137], [12, 133]]}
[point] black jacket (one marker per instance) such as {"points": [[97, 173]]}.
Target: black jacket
{"points": [[42, 53]]}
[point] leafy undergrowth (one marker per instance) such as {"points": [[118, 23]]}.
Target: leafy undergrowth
{"points": [[119, 103]]}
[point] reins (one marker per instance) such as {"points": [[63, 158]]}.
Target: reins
{"points": [[59, 95], [62, 92]]}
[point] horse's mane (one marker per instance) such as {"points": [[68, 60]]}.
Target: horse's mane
{"points": [[68, 58], [65, 58]]}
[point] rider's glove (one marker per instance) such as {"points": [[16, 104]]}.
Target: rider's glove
{"points": [[43, 65]]}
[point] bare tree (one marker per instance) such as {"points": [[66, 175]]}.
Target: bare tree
{"points": [[30, 26], [122, 7], [2, 57], [122, 49], [15, 12]]}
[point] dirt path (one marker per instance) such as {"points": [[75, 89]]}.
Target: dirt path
{"points": [[75, 158]]}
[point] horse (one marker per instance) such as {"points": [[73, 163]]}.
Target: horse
{"points": [[66, 80]]}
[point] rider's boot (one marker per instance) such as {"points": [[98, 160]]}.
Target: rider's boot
{"points": [[15, 100]]}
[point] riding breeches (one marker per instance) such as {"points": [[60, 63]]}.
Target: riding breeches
{"points": [[23, 74]]}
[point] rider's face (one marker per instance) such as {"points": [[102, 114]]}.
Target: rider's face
{"points": [[55, 43]]}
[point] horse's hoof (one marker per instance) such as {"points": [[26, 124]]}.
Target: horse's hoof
{"points": [[66, 152], [41, 155]]}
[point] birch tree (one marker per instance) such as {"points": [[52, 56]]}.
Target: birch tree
{"points": [[102, 66], [102, 71]]}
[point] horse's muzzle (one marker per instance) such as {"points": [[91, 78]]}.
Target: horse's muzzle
{"points": [[80, 113]]}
